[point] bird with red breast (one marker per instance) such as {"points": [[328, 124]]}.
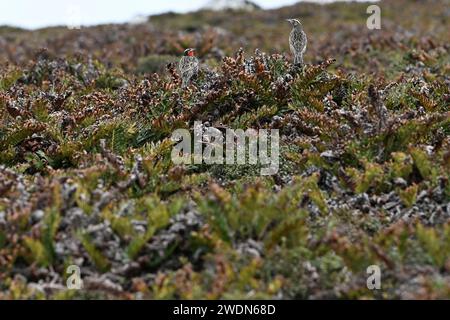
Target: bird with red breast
{"points": [[188, 66]]}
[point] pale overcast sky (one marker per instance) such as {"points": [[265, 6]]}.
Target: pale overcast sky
{"points": [[41, 13]]}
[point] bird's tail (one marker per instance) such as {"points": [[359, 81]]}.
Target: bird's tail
{"points": [[298, 60]]}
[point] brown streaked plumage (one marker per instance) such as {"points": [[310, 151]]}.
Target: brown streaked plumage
{"points": [[297, 41]]}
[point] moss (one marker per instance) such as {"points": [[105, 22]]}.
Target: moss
{"points": [[409, 195]]}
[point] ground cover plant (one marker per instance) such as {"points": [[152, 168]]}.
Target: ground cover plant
{"points": [[86, 176]]}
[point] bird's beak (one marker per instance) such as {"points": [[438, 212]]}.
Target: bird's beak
{"points": [[289, 20]]}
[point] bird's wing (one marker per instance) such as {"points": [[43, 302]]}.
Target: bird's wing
{"points": [[182, 64], [298, 41], [305, 41], [292, 48], [188, 64], [291, 42]]}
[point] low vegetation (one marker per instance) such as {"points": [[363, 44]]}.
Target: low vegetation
{"points": [[86, 176]]}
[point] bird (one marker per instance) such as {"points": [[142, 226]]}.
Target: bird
{"points": [[297, 41], [188, 66]]}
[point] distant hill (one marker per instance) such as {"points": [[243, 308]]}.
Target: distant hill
{"points": [[241, 5], [334, 30]]}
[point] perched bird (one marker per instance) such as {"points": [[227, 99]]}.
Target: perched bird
{"points": [[188, 66], [297, 41]]}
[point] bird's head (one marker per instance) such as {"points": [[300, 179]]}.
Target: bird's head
{"points": [[294, 22], [189, 52]]}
